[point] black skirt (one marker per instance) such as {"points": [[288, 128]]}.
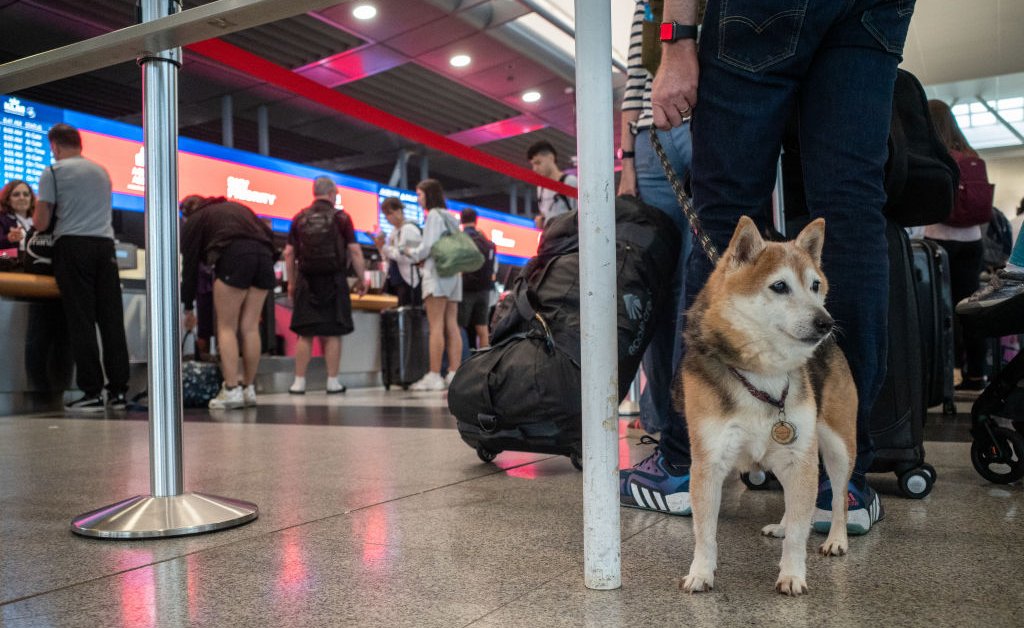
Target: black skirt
{"points": [[322, 306]]}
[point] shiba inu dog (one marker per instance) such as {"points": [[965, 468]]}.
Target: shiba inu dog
{"points": [[764, 383]]}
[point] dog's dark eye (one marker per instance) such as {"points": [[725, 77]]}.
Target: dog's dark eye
{"points": [[815, 286], [780, 287]]}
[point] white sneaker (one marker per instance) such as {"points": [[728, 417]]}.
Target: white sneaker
{"points": [[249, 395], [430, 381], [228, 399], [448, 378]]}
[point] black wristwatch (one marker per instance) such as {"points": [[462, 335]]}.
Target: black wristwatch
{"points": [[673, 31], [625, 154]]}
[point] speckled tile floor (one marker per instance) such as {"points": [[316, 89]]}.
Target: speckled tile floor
{"points": [[374, 513]]}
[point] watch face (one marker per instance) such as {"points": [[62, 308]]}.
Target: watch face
{"points": [[667, 31]]}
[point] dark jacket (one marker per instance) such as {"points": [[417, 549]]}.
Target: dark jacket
{"points": [[208, 231], [7, 222]]}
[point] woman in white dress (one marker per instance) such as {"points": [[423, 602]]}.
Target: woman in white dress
{"points": [[441, 295]]}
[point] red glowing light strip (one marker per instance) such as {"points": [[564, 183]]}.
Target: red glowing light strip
{"points": [[258, 67]]}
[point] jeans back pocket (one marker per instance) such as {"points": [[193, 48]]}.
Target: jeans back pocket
{"points": [[755, 34], [888, 22]]}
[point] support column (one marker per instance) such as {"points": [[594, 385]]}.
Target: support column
{"points": [[425, 167], [528, 194], [263, 129], [601, 528], [227, 120], [513, 199], [168, 511]]}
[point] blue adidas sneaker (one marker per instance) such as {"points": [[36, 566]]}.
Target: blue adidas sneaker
{"points": [[654, 484], [863, 508]]}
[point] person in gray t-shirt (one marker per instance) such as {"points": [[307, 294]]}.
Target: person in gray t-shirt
{"points": [[75, 192]]}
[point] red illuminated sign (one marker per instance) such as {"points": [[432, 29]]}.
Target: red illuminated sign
{"points": [[268, 193]]}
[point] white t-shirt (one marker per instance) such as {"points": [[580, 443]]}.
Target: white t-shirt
{"points": [[551, 203], [81, 196]]}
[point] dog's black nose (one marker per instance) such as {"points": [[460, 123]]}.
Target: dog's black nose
{"points": [[823, 324]]}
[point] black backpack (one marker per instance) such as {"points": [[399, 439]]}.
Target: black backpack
{"points": [[921, 177], [480, 280], [319, 250], [530, 375]]}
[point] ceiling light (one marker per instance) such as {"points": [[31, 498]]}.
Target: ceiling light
{"points": [[460, 61], [531, 96], [364, 12]]}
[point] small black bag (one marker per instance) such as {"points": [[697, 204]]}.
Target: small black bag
{"points": [[39, 244]]}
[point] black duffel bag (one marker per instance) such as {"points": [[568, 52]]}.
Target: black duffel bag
{"points": [[523, 392]]}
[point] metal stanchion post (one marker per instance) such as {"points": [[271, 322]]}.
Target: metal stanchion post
{"points": [[601, 534], [168, 511]]}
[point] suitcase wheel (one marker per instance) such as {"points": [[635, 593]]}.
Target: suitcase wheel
{"points": [[405, 386], [1001, 461], [576, 460], [758, 480], [485, 454], [387, 387], [917, 483], [948, 408]]}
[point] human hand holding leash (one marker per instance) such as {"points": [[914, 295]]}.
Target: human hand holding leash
{"points": [[674, 91]]}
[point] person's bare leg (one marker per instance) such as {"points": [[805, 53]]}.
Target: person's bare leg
{"points": [[249, 323], [303, 352], [332, 354], [483, 336], [451, 324], [227, 302], [435, 307]]}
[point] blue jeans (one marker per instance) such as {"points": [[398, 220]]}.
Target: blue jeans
{"points": [[661, 360], [834, 63]]}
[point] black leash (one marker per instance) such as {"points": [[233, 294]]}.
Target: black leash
{"points": [[684, 201]]}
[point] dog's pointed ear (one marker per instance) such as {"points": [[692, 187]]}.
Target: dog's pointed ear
{"points": [[812, 239], [746, 244]]}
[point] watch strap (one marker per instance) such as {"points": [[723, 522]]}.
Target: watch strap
{"points": [[673, 31]]}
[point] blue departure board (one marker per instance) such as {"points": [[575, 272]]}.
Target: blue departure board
{"points": [[23, 129]]}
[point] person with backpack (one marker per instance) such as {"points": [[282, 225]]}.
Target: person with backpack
{"points": [[478, 285], [441, 294], [543, 159], [643, 176], [321, 242], [403, 278], [961, 236], [230, 238]]}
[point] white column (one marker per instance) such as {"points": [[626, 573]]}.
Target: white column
{"points": [[601, 530]]}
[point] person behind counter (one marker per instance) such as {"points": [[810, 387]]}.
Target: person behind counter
{"points": [[17, 202], [441, 295], [231, 239], [321, 242]]}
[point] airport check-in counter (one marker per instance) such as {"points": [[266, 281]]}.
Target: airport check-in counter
{"points": [[38, 367]]}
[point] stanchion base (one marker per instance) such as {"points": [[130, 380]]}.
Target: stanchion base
{"points": [[144, 516]]}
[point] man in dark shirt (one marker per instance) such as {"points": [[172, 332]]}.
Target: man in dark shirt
{"points": [[477, 286], [320, 243]]}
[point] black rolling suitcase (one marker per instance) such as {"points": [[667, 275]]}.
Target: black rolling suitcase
{"points": [[404, 350], [935, 313], [897, 418]]}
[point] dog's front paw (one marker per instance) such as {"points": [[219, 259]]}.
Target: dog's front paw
{"points": [[774, 529], [697, 583], [834, 547], [791, 585]]}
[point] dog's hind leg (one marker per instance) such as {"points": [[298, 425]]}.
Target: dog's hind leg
{"points": [[838, 459], [706, 497], [798, 481]]}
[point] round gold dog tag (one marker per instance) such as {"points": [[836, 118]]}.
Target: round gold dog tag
{"points": [[783, 432]]}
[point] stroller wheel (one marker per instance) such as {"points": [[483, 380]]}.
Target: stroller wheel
{"points": [[1001, 461], [917, 483], [576, 460], [758, 480]]}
